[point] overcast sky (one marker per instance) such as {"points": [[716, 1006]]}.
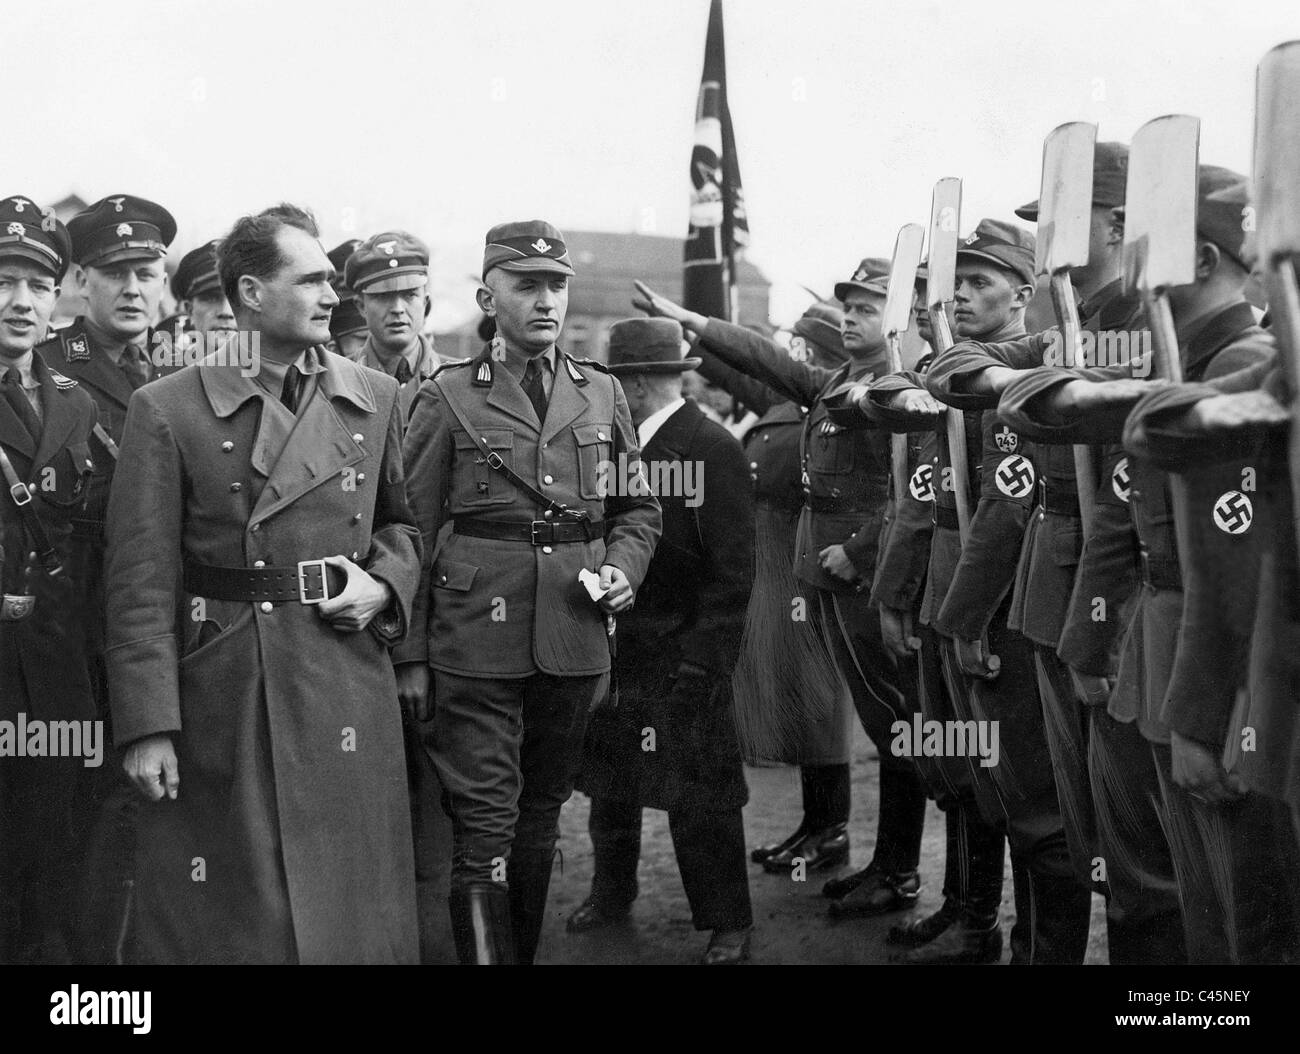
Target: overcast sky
{"points": [[448, 116]]}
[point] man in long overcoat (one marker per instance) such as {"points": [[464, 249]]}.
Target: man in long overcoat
{"points": [[261, 560]]}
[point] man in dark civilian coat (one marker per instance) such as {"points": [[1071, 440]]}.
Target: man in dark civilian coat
{"points": [[670, 743]]}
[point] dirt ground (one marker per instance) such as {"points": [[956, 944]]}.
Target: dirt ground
{"points": [[790, 921]]}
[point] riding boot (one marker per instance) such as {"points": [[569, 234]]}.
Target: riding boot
{"points": [[480, 925]]}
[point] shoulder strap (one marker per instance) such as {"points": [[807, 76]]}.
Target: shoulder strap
{"points": [[105, 440], [496, 463], [22, 499]]}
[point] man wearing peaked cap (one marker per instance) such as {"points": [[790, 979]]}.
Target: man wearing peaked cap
{"points": [[1109, 179], [348, 330], [389, 276], [45, 425], [530, 457], [845, 474], [677, 651], [868, 277], [197, 286], [118, 244]]}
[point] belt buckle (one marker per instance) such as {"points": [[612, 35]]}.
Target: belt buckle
{"points": [[21, 495], [535, 527], [306, 567]]}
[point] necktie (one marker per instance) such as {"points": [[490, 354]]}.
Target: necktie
{"points": [[291, 389], [134, 366], [534, 388], [12, 384], [403, 370]]}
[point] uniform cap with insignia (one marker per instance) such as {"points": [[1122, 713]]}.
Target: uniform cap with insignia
{"points": [[387, 263], [1109, 179], [121, 227], [197, 272], [820, 325], [27, 234], [1222, 196], [871, 275], [526, 245], [647, 345], [1004, 244], [338, 256]]}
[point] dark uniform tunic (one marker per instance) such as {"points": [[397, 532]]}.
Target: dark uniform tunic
{"points": [[43, 676]]}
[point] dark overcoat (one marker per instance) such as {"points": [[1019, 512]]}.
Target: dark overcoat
{"points": [[691, 608], [290, 838]]}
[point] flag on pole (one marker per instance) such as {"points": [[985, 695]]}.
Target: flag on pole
{"points": [[718, 224]]}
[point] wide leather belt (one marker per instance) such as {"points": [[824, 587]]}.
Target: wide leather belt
{"points": [[1059, 500], [945, 516], [307, 582], [1160, 572], [535, 532]]}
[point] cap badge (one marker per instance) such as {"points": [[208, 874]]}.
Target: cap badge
{"points": [[541, 245], [860, 275], [124, 230], [16, 228], [117, 203], [19, 204], [386, 247], [972, 239]]}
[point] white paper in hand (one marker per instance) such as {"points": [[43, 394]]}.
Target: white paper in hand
{"points": [[591, 581]]}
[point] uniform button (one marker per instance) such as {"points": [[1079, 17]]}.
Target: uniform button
{"points": [[442, 580], [235, 488], [227, 446], [600, 435], [764, 437], [548, 479], [267, 607], [361, 477], [835, 492], [547, 514], [356, 517], [256, 527], [358, 436], [259, 563], [355, 555], [753, 464], [547, 549]]}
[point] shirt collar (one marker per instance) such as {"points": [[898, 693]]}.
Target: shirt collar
{"points": [[271, 373], [25, 374], [646, 429], [516, 365]]}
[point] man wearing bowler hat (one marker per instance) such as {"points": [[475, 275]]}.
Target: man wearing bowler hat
{"points": [[511, 448], [671, 742], [389, 276]]}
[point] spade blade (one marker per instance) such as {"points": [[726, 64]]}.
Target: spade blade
{"points": [[941, 263], [1065, 198], [902, 279], [1277, 154], [1160, 205]]}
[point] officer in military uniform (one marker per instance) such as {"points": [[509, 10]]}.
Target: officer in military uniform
{"points": [[519, 449], [348, 330], [45, 456], [389, 277], [199, 296], [846, 495]]}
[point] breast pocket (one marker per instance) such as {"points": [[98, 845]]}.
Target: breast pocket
{"points": [[831, 454], [477, 482], [595, 442], [64, 480]]}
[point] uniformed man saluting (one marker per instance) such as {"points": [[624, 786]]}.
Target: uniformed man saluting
{"points": [[45, 423], [520, 449]]}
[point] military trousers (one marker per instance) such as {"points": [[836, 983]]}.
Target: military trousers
{"points": [[507, 753], [850, 626]]}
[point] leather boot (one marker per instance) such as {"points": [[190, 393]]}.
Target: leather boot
{"points": [[764, 853], [480, 926], [880, 894], [1022, 928], [819, 850], [1062, 909], [985, 853], [962, 942], [529, 877], [916, 931]]}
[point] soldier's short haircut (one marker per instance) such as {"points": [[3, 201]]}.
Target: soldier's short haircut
{"points": [[251, 247]]}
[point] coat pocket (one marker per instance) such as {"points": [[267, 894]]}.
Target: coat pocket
{"points": [[478, 483], [1067, 545], [64, 480], [594, 445], [453, 575]]}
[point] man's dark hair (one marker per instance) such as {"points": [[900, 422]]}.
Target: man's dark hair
{"points": [[251, 247]]}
